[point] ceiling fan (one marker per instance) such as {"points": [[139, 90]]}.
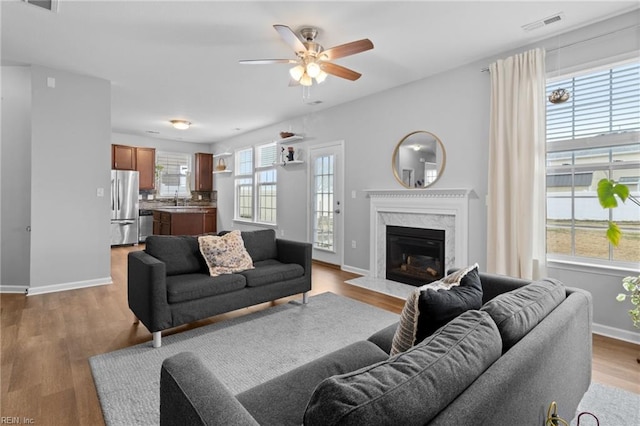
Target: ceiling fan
{"points": [[313, 62]]}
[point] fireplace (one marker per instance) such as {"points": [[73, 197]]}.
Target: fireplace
{"points": [[414, 256]]}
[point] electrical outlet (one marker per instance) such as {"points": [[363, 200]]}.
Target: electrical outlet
{"points": [[353, 243], [282, 232], [353, 193], [100, 192]]}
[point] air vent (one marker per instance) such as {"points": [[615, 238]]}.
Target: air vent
{"points": [[51, 5], [544, 22]]}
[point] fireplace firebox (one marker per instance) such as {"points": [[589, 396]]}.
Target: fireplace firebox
{"points": [[415, 256]]}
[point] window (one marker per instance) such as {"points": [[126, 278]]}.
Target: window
{"points": [[256, 186], [592, 136], [173, 170]]}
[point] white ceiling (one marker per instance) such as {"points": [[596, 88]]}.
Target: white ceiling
{"points": [[179, 59]]}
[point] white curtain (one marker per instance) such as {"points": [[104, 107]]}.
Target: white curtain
{"points": [[516, 202]]}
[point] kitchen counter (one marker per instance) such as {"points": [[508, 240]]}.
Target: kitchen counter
{"points": [[184, 220]]}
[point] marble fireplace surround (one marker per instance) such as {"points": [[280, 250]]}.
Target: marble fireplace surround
{"points": [[446, 209]]}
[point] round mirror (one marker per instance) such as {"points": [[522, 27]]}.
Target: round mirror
{"points": [[418, 160]]}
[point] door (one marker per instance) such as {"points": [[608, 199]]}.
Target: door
{"points": [[326, 181]]}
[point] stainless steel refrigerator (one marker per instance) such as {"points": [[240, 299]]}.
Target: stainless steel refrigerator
{"points": [[124, 207]]}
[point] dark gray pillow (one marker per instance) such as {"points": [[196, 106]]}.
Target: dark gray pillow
{"points": [[180, 253], [414, 386], [260, 244], [518, 311]]}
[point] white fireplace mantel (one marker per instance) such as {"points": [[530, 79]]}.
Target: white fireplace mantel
{"points": [[446, 209]]}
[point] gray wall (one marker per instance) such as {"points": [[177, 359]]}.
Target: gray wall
{"points": [[61, 153], [455, 106], [15, 154]]}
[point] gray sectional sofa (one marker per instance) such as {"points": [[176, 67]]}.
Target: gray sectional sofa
{"points": [[529, 345], [169, 282]]}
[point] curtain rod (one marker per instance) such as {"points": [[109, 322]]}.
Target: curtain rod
{"points": [[486, 69]]}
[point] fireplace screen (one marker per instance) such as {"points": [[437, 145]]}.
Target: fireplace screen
{"points": [[415, 255]]}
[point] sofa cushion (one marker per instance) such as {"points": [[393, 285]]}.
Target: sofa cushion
{"points": [[272, 271], [181, 288], [431, 306], [225, 254], [413, 386], [518, 311], [261, 244], [180, 253], [283, 399]]}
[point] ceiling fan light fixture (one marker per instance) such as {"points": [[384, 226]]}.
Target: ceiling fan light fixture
{"points": [[313, 69], [180, 124], [321, 77], [296, 72], [305, 80]]}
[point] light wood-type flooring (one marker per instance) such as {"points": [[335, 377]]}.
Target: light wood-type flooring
{"points": [[46, 341]]}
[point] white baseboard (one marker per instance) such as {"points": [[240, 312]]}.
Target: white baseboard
{"points": [[616, 333], [354, 270], [22, 289], [32, 291]]}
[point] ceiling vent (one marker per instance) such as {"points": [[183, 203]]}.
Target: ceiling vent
{"points": [[51, 5], [544, 22]]}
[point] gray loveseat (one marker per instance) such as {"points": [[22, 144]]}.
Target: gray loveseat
{"points": [[529, 345], [169, 282]]}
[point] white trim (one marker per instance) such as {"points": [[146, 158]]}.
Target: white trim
{"points": [[616, 333], [22, 289], [354, 270], [32, 291]]}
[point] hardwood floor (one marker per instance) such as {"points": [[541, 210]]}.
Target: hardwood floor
{"points": [[46, 341]]}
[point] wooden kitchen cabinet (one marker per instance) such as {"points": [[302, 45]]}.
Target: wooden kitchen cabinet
{"points": [[146, 166], [123, 157], [184, 221], [204, 172]]}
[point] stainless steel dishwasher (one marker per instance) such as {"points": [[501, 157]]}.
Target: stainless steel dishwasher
{"points": [[145, 224]]}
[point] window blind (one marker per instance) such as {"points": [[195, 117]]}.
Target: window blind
{"points": [[267, 155], [601, 103]]}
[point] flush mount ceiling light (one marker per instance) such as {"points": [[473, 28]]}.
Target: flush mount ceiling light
{"points": [[313, 62], [181, 124]]}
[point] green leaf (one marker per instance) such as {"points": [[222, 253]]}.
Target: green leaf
{"points": [[613, 234], [621, 297], [621, 190], [606, 194]]}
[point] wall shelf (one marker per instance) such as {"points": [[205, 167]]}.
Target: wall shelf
{"points": [[215, 172], [284, 163], [222, 154], [290, 139]]}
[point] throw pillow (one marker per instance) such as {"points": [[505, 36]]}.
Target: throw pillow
{"points": [[518, 311], [225, 254], [412, 387], [433, 305]]}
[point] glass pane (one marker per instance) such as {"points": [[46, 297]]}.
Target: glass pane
{"points": [[559, 240], [323, 204], [592, 243], [558, 211], [589, 212], [629, 248], [591, 156]]}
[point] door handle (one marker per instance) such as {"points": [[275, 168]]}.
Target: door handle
{"points": [[337, 211]]}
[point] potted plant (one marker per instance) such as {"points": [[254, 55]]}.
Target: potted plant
{"points": [[608, 193]]}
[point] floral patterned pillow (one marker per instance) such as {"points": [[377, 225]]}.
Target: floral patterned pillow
{"points": [[225, 254]]}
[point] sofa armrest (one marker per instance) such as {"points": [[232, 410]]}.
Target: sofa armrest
{"points": [[295, 252], [147, 290], [191, 395]]}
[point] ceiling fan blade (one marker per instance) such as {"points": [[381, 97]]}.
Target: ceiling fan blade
{"points": [[267, 61], [347, 49], [290, 38], [340, 71]]}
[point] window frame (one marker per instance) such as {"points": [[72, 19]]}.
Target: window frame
{"points": [[263, 174], [607, 141]]}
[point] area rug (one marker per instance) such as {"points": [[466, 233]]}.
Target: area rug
{"points": [[242, 352], [612, 406]]}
